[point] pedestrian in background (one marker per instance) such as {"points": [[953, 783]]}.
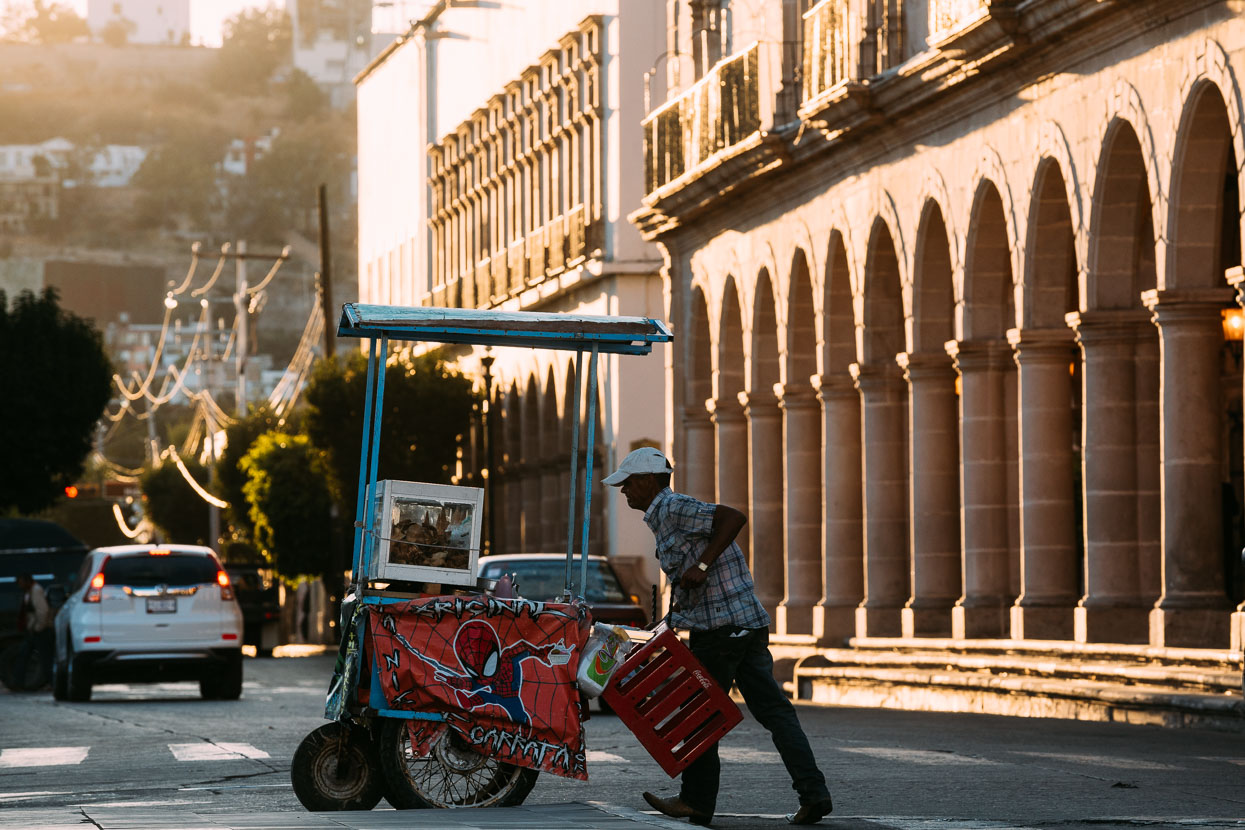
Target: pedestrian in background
{"points": [[713, 597], [34, 619]]}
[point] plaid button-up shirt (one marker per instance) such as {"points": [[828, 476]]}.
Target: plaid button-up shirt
{"points": [[681, 526]]}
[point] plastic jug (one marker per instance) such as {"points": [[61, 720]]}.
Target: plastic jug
{"points": [[603, 653]]}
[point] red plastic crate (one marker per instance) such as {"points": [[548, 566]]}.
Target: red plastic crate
{"points": [[671, 702]]}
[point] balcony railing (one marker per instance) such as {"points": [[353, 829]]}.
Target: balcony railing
{"points": [[945, 15], [720, 110], [827, 46]]}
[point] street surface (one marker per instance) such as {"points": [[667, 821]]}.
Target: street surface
{"points": [[159, 750]]}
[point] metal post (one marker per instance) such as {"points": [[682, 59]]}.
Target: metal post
{"points": [[326, 271], [361, 494], [592, 423], [487, 428], [373, 432], [573, 412], [241, 307]]}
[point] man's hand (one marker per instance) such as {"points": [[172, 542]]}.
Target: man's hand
{"points": [[693, 578]]}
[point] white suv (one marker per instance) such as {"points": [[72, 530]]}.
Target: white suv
{"points": [[146, 613]]}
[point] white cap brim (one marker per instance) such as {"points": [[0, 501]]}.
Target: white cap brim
{"points": [[616, 478]]}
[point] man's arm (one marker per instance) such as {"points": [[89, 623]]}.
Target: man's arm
{"points": [[727, 522]]}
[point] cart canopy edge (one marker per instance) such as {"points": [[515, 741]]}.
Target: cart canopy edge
{"points": [[525, 329]]}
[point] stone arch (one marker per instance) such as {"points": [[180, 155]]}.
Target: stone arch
{"points": [[763, 370], [1203, 237], [988, 303], [800, 335], [991, 171], [1051, 278], [730, 377], [698, 470], [934, 188], [1210, 64], [1053, 144], [530, 521], [730, 428], [933, 283], [1122, 235], [1124, 106], [839, 326], [882, 332]]}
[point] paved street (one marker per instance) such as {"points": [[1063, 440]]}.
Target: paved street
{"points": [[158, 756]]}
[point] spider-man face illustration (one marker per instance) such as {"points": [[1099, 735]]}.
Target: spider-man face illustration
{"points": [[478, 649]]}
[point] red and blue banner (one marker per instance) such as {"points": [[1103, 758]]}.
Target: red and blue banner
{"points": [[502, 671]]}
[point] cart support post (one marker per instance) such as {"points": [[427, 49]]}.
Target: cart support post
{"points": [[378, 414], [573, 412], [592, 423], [361, 493]]}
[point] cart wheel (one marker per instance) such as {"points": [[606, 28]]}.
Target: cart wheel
{"points": [[452, 775], [335, 768]]}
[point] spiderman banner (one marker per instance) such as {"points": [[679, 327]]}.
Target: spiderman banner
{"points": [[501, 670]]}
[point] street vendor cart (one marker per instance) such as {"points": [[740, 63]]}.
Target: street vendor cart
{"points": [[457, 696]]}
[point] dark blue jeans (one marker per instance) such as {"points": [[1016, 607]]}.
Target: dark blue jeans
{"points": [[43, 642], [745, 661]]}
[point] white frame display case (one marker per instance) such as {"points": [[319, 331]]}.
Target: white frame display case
{"points": [[425, 533]]}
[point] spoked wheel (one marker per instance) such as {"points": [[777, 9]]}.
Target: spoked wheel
{"points": [[335, 768], [451, 775]]}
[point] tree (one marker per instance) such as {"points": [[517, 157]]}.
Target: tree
{"points": [[43, 22], [254, 44], [173, 506], [278, 194], [290, 505], [117, 32], [427, 406], [178, 180], [230, 477], [57, 380], [303, 97]]}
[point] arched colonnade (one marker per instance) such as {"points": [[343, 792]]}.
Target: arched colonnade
{"points": [[1022, 420]]}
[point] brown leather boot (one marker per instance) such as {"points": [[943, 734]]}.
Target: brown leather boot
{"points": [[676, 808]]}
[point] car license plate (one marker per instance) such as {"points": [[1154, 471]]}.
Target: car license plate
{"points": [[162, 605]]}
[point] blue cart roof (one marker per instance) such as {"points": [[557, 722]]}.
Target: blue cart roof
{"points": [[530, 329]]}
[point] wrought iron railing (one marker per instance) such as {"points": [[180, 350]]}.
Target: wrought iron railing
{"points": [[945, 15], [827, 46], [717, 112]]}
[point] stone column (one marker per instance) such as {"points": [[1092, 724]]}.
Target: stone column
{"points": [[731, 437], [802, 441], [1193, 609], [1048, 574], [843, 541], [765, 507], [1112, 609], [696, 475], [982, 609], [934, 458], [884, 414]]}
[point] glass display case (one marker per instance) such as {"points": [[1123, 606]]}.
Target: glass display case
{"points": [[425, 533]]}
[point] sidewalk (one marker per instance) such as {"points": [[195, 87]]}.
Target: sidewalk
{"points": [[575, 816]]}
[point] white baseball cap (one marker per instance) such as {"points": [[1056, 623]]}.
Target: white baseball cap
{"points": [[643, 460]]}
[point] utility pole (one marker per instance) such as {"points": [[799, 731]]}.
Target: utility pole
{"points": [[241, 307], [326, 267]]}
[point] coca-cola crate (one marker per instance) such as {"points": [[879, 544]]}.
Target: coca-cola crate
{"points": [[670, 702]]}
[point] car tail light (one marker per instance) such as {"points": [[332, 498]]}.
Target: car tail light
{"points": [[226, 590], [90, 639], [229, 636], [97, 584], [158, 553]]}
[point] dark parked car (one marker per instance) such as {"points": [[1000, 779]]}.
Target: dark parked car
{"points": [[260, 598], [50, 554], [542, 576]]}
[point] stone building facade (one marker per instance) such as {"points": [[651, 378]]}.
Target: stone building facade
{"points": [[499, 156], [954, 285]]}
